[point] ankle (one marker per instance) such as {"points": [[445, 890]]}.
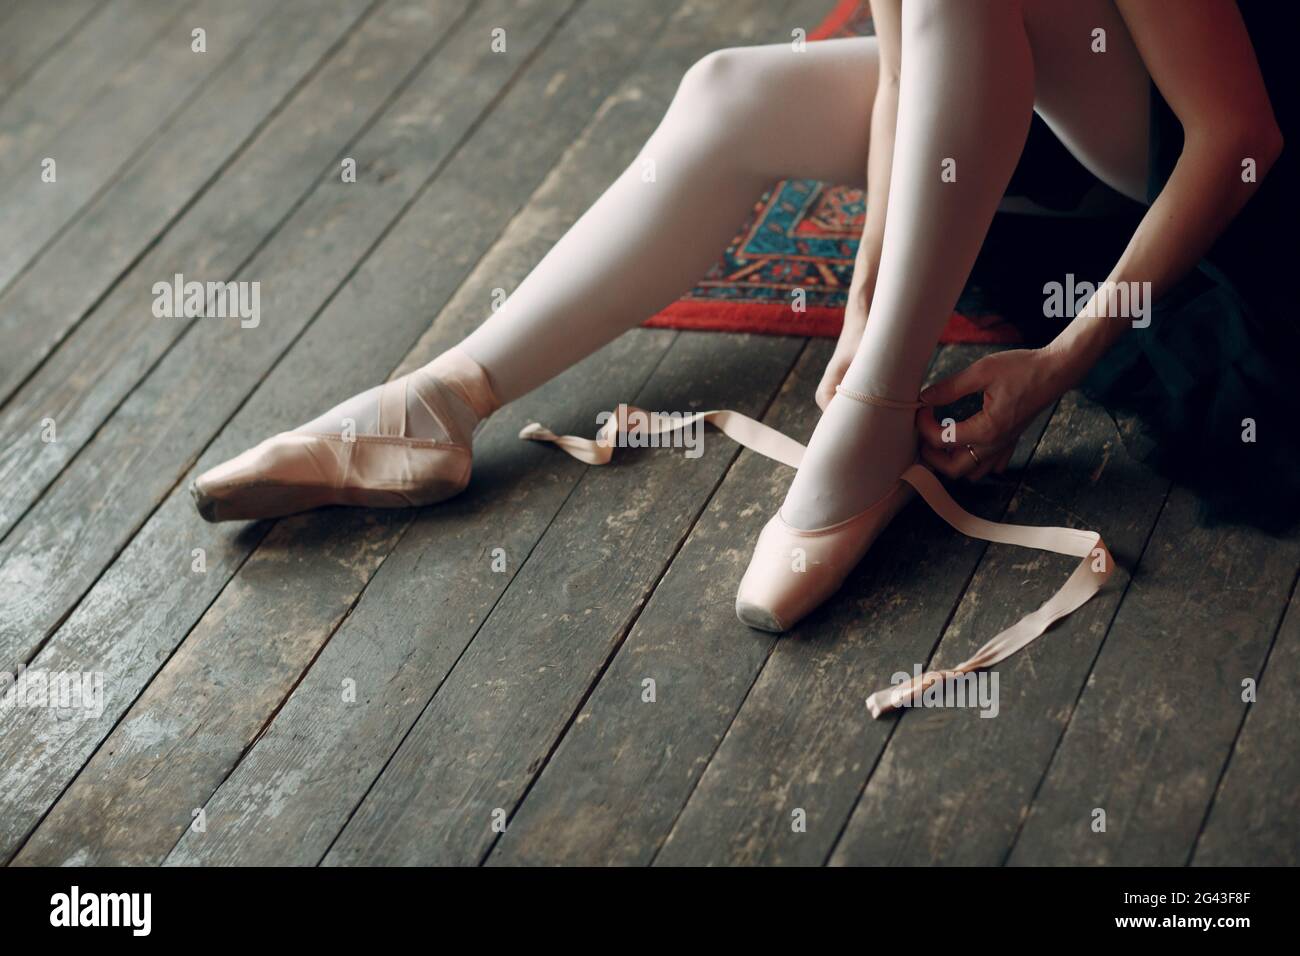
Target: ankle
{"points": [[856, 454], [467, 379]]}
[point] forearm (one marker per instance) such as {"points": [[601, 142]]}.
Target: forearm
{"points": [[1204, 193]]}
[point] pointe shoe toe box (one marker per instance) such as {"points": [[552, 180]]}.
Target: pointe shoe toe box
{"points": [[297, 471], [793, 571]]}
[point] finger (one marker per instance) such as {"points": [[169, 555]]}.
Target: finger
{"points": [[833, 375], [930, 430], [977, 430], [941, 435], [971, 379]]}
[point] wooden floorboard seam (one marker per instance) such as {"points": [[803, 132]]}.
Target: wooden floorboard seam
{"points": [[275, 711], [1083, 685], [758, 673], [636, 616], [180, 214], [470, 643], [20, 845], [143, 203], [252, 255], [127, 163], [57, 88], [379, 112], [549, 19], [754, 680], [49, 51], [948, 621], [266, 240], [1241, 724]]}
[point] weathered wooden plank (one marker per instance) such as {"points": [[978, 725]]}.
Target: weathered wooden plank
{"points": [[777, 759], [1156, 722], [575, 186], [92, 146], [64, 542], [619, 777], [581, 64], [42, 307], [1255, 820], [488, 729], [952, 787], [425, 256], [291, 795], [32, 30], [117, 33], [139, 610], [299, 823], [494, 719]]}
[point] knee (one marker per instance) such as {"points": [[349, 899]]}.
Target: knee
{"points": [[714, 69], [721, 80]]}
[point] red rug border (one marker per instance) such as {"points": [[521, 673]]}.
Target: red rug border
{"points": [[836, 19], [816, 321]]}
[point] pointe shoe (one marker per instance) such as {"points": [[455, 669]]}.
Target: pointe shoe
{"points": [[300, 470], [792, 571]]}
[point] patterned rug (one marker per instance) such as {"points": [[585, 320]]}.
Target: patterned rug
{"points": [[803, 235]]}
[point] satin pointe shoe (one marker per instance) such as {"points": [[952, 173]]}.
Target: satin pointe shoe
{"points": [[773, 595], [792, 571], [304, 469]]}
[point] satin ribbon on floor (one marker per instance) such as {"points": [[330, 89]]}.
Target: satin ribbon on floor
{"points": [[1087, 578]]}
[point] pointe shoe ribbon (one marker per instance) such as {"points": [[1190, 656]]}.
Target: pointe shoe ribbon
{"points": [[1085, 581], [1089, 575], [630, 420]]}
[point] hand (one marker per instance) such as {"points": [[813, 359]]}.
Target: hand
{"points": [[855, 323], [1017, 385]]}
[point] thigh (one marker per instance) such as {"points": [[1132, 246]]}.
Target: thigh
{"points": [[1097, 103], [789, 113]]}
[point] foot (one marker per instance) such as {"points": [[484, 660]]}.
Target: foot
{"points": [[845, 493], [404, 443]]}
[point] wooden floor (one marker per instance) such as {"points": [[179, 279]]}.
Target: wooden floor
{"points": [[364, 687]]}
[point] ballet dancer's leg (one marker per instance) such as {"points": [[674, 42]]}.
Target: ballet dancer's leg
{"points": [[967, 88], [741, 119]]}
